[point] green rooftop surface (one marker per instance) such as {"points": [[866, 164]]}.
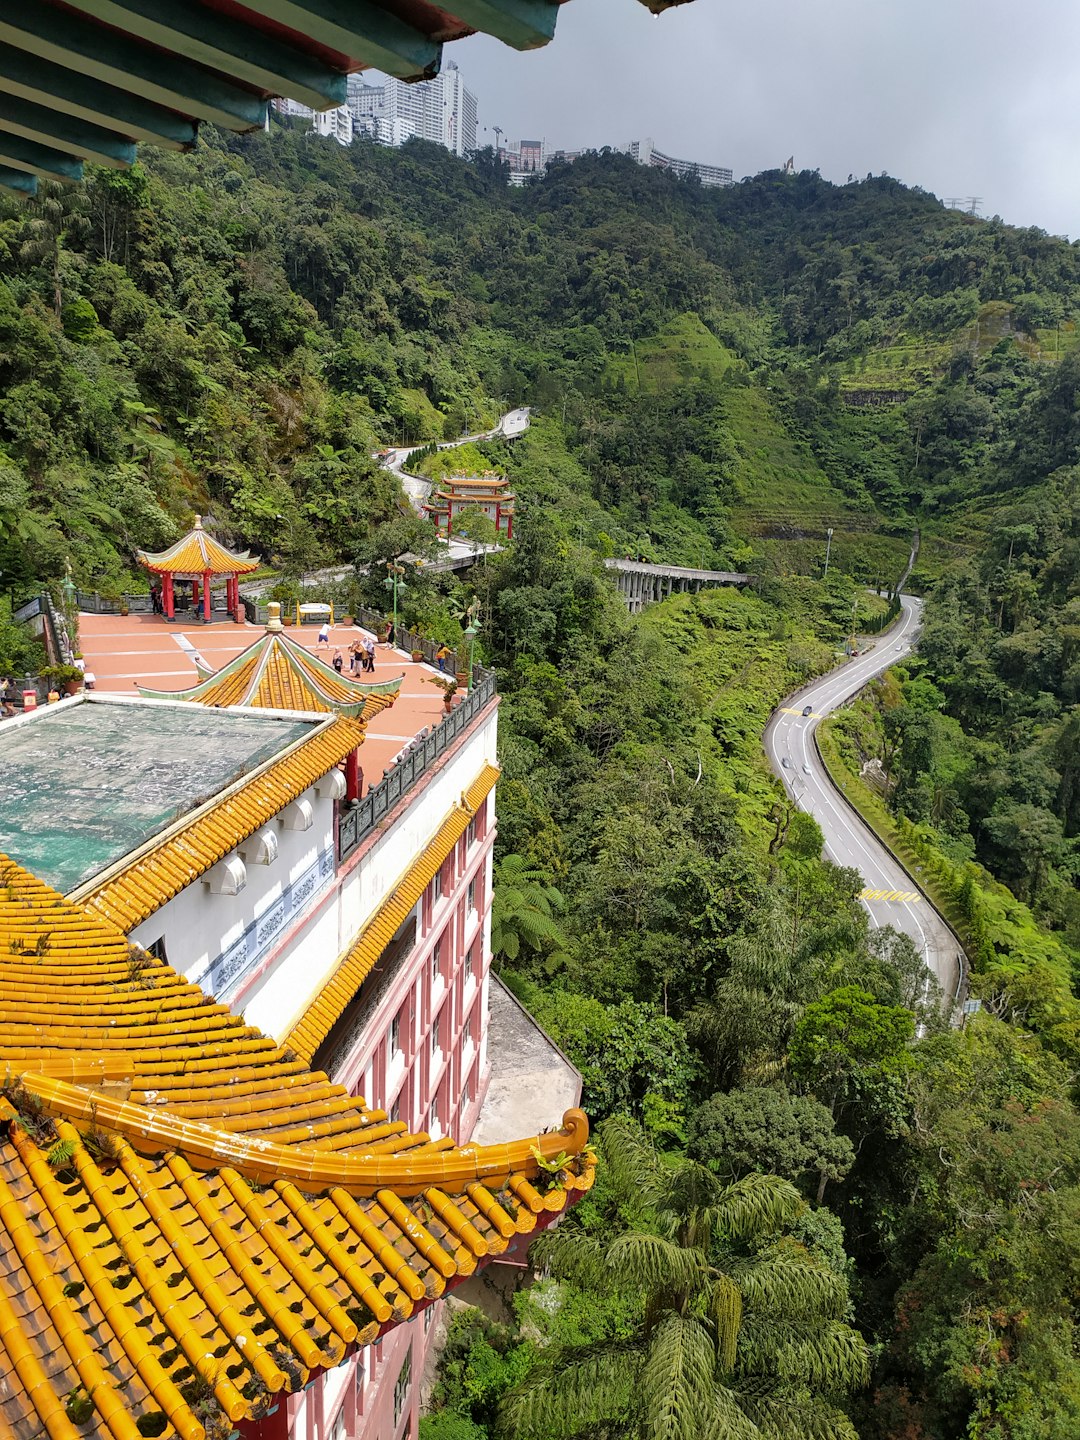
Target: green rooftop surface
{"points": [[82, 786]]}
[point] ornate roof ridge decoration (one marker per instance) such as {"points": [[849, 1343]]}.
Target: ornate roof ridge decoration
{"points": [[276, 672], [185, 851], [197, 554], [357, 963], [191, 1221]]}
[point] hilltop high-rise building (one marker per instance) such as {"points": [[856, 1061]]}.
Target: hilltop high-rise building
{"points": [[442, 110], [645, 153]]}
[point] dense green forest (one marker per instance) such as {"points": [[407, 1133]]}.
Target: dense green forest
{"points": [[823, 1211]]}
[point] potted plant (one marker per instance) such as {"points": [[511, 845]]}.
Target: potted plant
{"points": [[449, 688], [66, 678], [417, 655]]}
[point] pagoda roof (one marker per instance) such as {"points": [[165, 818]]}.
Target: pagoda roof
{"points": [[196, 554], [276, 672], [475, 482], [191, 1220]]}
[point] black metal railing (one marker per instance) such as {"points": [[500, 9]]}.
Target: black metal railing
{"points": [[346, 1033], [356, 823]]}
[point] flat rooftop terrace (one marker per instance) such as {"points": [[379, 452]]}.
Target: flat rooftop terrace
{"points": [[123, 650], [84, 783]]}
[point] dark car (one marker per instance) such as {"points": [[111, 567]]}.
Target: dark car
{"points": [[807, 709]]}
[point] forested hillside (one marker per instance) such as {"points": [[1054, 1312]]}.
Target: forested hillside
{"points": [[718, 377]]}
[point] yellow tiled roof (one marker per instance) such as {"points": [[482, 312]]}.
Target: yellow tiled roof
{"points": [[185, 852], [356, 964], [195, 554], [191, 1221], [278, 673]]}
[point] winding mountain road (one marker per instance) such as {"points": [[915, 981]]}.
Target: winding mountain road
{"points": [[891, 895]]}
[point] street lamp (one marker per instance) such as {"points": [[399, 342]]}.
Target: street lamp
{"points": [[471, 632], [394, 582], [828, 548]]}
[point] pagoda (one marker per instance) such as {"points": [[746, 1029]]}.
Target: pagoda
{"points": [[198, 559], [487, 493]]}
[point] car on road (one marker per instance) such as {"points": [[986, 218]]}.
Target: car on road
{"points": [[807, 709], [786, 763], [806, 769]]}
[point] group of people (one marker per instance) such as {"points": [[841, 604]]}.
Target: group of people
{"points": [[361, 653], [361, 657]]}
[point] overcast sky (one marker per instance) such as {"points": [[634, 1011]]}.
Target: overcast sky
{"points": [[963, 97]]}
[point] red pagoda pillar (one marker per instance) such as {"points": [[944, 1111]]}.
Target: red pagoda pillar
{"points": [[206, 595], [168, 602], [353, 779]]}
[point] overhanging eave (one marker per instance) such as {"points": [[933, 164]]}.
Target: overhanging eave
{"points": [[104, 55], [206, 37], [30, 78], [360, 30], [50, 127]]}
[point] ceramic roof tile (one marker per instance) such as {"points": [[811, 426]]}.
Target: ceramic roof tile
{"points": [[180, 1237]]}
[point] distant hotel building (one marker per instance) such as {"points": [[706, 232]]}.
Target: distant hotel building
{"points": [[645, 153], [525, 158], [440, 110]]}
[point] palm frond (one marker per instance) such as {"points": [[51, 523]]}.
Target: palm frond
{"points": [[793, 1414], [572, 1255], [789, 1284], [729, 1419], [574, 1392], [677, 1380], [649, 1262], [826, 1355], [757, 1206], [630, 1159]]}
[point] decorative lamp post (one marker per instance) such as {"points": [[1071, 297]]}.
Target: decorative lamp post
{"points": [[828, 548], [471, 632], [394, 582]]}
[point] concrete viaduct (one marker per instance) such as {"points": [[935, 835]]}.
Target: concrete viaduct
{"points": [[642, 584]]}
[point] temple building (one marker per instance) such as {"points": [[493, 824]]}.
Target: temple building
{"points": [[458, 494], [199, 562], [245, 1035]]}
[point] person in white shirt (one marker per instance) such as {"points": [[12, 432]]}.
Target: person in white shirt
{"points": [[324, 634]]}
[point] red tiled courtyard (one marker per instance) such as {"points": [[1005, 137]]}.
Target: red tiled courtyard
{"points": [[122, 651]]}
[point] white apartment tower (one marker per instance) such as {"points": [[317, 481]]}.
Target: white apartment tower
{"points": [[440, 110]]}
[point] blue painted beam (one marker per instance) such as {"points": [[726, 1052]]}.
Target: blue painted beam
{"points": [[44, 84], [38, 159], [77, 137], [237, 49], [523, 24], [359, 30], [18, 182], [64, 39]]}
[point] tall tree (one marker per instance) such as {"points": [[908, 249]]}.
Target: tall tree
{"points": [[735, 1331]]}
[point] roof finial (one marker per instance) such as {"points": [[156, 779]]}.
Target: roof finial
{"points": [[198, 523], [273, 616]]}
